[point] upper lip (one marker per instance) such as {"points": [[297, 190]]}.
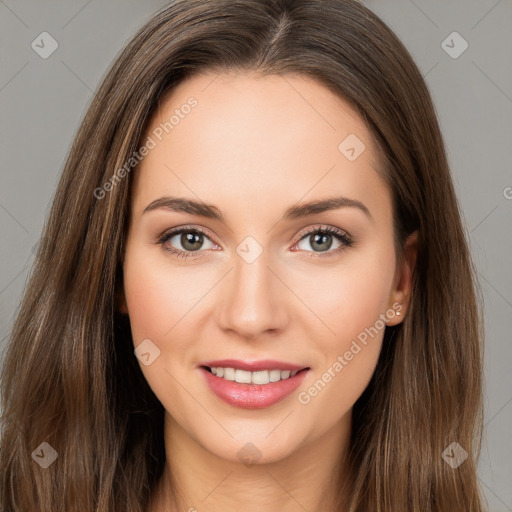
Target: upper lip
{"points": [[253, 366]]}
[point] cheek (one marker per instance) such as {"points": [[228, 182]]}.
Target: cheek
{"points": [[158, 295], [158, 298], [349, 296], [353, 303], [163, 301]]}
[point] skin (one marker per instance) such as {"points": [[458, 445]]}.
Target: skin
{"points": [[259, 144]]}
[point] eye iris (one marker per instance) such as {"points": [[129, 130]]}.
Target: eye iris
{"points": [[190, 241], [321, 239]]}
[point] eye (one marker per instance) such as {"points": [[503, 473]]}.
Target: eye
{"points": [[189, 240], [321, 240]]}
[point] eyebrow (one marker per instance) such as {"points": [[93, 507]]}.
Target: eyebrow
{"points": [[180, 204]]}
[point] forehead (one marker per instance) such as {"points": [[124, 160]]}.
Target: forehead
{"points": [[244, 139]]}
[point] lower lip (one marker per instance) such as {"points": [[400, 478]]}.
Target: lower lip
{"points": [[253, 396]]}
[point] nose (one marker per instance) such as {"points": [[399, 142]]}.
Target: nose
{"points": [[254, 299]]}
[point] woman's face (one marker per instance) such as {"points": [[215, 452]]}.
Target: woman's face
{"points": [[261, 287]]}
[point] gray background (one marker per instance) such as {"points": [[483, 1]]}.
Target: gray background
{"points": [[43, 100]]}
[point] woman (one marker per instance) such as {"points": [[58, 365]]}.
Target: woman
{"points": [[253, 289]]}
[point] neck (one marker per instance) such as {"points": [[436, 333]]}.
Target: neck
{"points": [[195, 479]]}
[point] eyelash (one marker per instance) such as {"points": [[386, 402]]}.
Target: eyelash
{"points": [[342, 237]]}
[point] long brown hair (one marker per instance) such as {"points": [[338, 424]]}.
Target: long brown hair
{"points": [[70, 377]]}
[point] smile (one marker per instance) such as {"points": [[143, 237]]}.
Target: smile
{"points": [[252, 385]]}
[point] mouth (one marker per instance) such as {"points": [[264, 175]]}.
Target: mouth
{"points": [[252, 385]]}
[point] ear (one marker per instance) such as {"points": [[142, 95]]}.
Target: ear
{"points": [[402, 285], [121, 301]]}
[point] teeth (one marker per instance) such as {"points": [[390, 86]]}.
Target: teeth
{"points": [[242, 376], [275, 375], [229, 373], [259, 377]]}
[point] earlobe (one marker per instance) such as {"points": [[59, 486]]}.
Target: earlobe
{"points": [[401, 292]]}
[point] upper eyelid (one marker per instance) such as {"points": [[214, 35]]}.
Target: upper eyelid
{"points": [[184, 229], [323, 227]]}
